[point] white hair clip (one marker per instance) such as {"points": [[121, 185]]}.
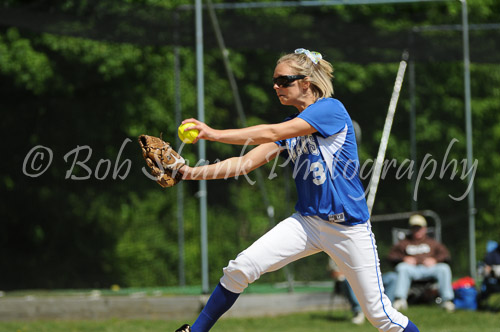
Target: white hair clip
{"points": [[314, 56]]}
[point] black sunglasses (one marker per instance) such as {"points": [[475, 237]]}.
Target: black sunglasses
{"points": [[286, 80]]}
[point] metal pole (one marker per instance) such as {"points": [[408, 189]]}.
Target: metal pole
{"points": [[468, 129], [413, 126], [180, 187], [386, 132], [201, 146]]}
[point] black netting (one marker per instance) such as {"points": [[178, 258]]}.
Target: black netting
{"points": [[321, 27], [53, 96]]}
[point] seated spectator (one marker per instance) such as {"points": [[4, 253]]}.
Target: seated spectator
{"points": [[358, 316], [420, 257], [491, 274]]}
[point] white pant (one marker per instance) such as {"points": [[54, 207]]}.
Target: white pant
{"points": [[353, 248]]}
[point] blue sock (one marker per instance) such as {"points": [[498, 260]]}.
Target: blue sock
{"points": [[219, 302], [411, 327]]}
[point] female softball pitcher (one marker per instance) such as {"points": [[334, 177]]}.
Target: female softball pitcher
{"points": [[331, 211]]}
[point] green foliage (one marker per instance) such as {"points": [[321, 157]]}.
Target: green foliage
{"points": [[147, 246], [20, 61]]}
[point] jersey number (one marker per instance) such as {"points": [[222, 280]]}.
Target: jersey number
{"points": [[318, 171]]}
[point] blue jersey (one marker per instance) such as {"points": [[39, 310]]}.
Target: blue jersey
{"points": [[326, 165]]}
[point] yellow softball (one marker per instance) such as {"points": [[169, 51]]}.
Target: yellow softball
{"points": [[187, 136]]}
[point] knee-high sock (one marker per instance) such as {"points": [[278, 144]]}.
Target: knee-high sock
{"points": [[411, 327], [219, 302]]}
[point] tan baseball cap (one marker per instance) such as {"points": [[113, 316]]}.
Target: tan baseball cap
{"points": [[417, 220]]}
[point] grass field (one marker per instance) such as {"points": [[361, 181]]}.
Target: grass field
{"points": [[428, 319]]}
